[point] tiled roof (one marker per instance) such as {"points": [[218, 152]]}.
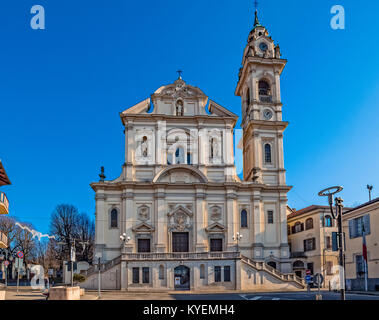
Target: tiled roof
{"points": [[362, 205], [4, 180], [306, 210]]}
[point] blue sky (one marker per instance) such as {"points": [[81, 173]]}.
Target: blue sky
{"points": [[61, 89]]}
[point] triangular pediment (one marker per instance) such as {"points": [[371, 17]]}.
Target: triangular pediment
{"points": [[143, 227], [180, 208], [217, 110], [215, 227]]}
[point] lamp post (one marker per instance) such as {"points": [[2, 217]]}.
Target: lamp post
{"points": [[124, 239], [369, 188], [237, 237], [337, 214]]}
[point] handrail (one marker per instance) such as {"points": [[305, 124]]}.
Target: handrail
{"points": [[263, 266]]}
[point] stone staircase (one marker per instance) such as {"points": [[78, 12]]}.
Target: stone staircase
{"points": [[261, 266], [104, 267]]}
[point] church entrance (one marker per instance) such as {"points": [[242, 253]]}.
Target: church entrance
{"points": [[180, 242], [182, 278]]}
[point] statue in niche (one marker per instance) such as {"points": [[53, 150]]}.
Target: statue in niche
{"points": [[214, 148], [144, 147], [179, 108]]}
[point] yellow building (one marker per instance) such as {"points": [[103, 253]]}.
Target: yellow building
{"points": [[364, 217], [310, 240], [4, 203]]}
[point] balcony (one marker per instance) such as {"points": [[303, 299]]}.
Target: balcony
{"points": [[4, 203], [181, 256], [3, 240], [299, 254], [265, 98]]}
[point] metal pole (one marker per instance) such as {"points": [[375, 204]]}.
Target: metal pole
{"points": [[18, 278], [6, 269], [340, 243], [98, 287]]}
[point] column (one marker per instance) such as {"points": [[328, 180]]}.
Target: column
{"points": [[124, 276], [161, 222], [130, 149], [128, 197], [200, 220], [101, 222], [231, 219]]}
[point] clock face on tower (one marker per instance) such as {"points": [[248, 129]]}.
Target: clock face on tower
{"points": [[263, 46], [267, 114]]}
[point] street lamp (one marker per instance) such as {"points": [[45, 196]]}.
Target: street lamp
{"points": [[237, 237], [337, 215]]}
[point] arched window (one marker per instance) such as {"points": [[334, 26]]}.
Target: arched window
{"points": [[264, 91], [114, 218], [298, 227], [272, 264], [179, 108], [328, 221], [243, 218], [309, 224], [268, 153], [161, 272], [247, 99], [179, 156], [202, 271]]}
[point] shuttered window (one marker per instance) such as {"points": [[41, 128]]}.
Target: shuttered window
{"points": [[310, 244], [357, 225]]}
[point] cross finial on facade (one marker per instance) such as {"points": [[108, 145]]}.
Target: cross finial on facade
{"points": [[256, 5], [180, 74]]}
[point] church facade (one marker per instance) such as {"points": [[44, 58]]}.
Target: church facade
{"points": [[179, 217]]}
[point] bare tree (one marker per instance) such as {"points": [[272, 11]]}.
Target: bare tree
{"points": [[67, 225], [63, 225]]}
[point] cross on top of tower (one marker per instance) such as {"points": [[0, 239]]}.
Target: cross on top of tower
{"points": [[180, 74], [256, 21]]}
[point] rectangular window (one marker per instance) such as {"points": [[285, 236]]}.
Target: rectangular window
{"points": [[360, 265], [227, 274], [216, 244], [143, 245], [217, 274], [310, 244], [270, 217], [145, 275], [358, 225], [328, 242], [135, 275], [329, 268], [180, 242]]}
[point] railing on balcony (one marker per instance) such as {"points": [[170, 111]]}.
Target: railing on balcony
{"points": [[3, 240], [4, 203], [299, 254], [181, 255], [265, 98]]}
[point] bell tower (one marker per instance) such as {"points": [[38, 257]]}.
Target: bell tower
{"points": [[259, 89]]}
